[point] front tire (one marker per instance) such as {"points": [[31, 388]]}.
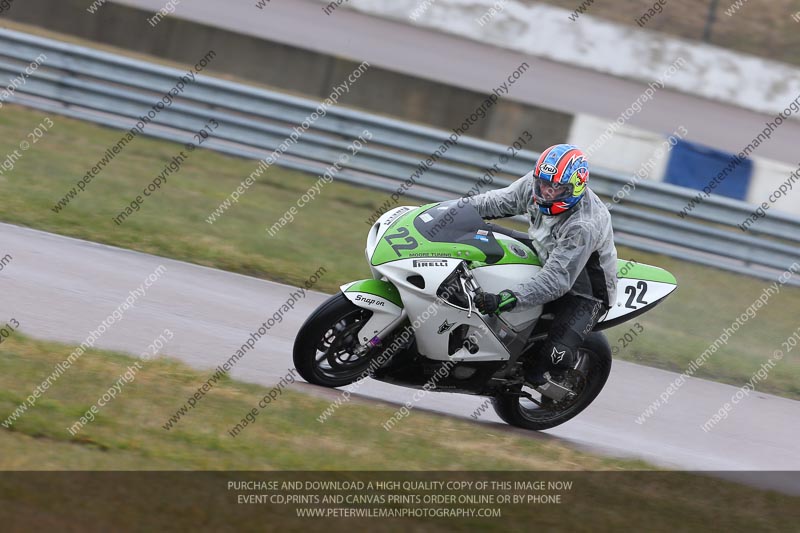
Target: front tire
{"points": [[323, 349], [594, 360]]}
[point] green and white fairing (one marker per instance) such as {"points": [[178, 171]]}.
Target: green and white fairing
{"points": [[419, 258]]}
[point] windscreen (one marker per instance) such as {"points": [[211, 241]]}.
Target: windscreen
{"points": [[453, 223]]}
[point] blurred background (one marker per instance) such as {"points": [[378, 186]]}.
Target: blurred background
{"points": [[664, 96]]}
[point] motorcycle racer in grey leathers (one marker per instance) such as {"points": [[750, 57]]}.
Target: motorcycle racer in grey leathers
{"points": [[570, 230]]}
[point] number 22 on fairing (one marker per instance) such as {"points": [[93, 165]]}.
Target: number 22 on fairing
{"points": [[402, 233]]}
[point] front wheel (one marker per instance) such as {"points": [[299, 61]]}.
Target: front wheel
{"points": [[587, 379], [325, 347]]}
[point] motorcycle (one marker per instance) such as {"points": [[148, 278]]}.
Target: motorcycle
{"points": [[414, 323]]}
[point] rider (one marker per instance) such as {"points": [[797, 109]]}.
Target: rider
{"points": [[571, 232]]}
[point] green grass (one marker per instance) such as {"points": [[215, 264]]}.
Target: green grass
{"points": [[129, 431], [330, 232], [128, 435], [173, 223]]}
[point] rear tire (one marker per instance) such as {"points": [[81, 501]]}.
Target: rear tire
{"points": [[324, 345], [512, 409]]}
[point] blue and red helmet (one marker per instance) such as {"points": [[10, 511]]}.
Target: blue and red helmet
{"points": [[559, 179]]}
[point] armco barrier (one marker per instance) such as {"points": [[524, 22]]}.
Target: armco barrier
{"points": [[115, 91]]}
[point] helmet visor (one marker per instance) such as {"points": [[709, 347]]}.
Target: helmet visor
{"points": [[547, 192]]}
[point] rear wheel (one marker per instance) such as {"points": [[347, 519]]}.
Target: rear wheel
{"points": [[587, 379], [325, 348]]}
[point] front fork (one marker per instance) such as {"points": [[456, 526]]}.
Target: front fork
{"points": [[379, 337]]}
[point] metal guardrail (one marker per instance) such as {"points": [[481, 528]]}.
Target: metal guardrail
{"points": [[115, 91]]}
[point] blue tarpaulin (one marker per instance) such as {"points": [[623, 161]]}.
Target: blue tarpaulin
{"points": [[695, 166]]}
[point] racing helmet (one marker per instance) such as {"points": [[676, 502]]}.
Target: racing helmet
{"points": [[560, 178]]}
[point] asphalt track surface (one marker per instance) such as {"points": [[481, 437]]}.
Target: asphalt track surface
{"points": [[472, 65], [60, 288]]}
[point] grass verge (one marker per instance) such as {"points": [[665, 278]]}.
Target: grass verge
{"points": [[128, 434]]}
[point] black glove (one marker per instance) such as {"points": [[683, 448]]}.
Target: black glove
{"points": [[495, 303]]}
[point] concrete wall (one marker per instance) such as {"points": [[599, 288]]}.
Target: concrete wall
{"points": [[295, 70], [730, 77], [768, 177], [632, 151]]}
